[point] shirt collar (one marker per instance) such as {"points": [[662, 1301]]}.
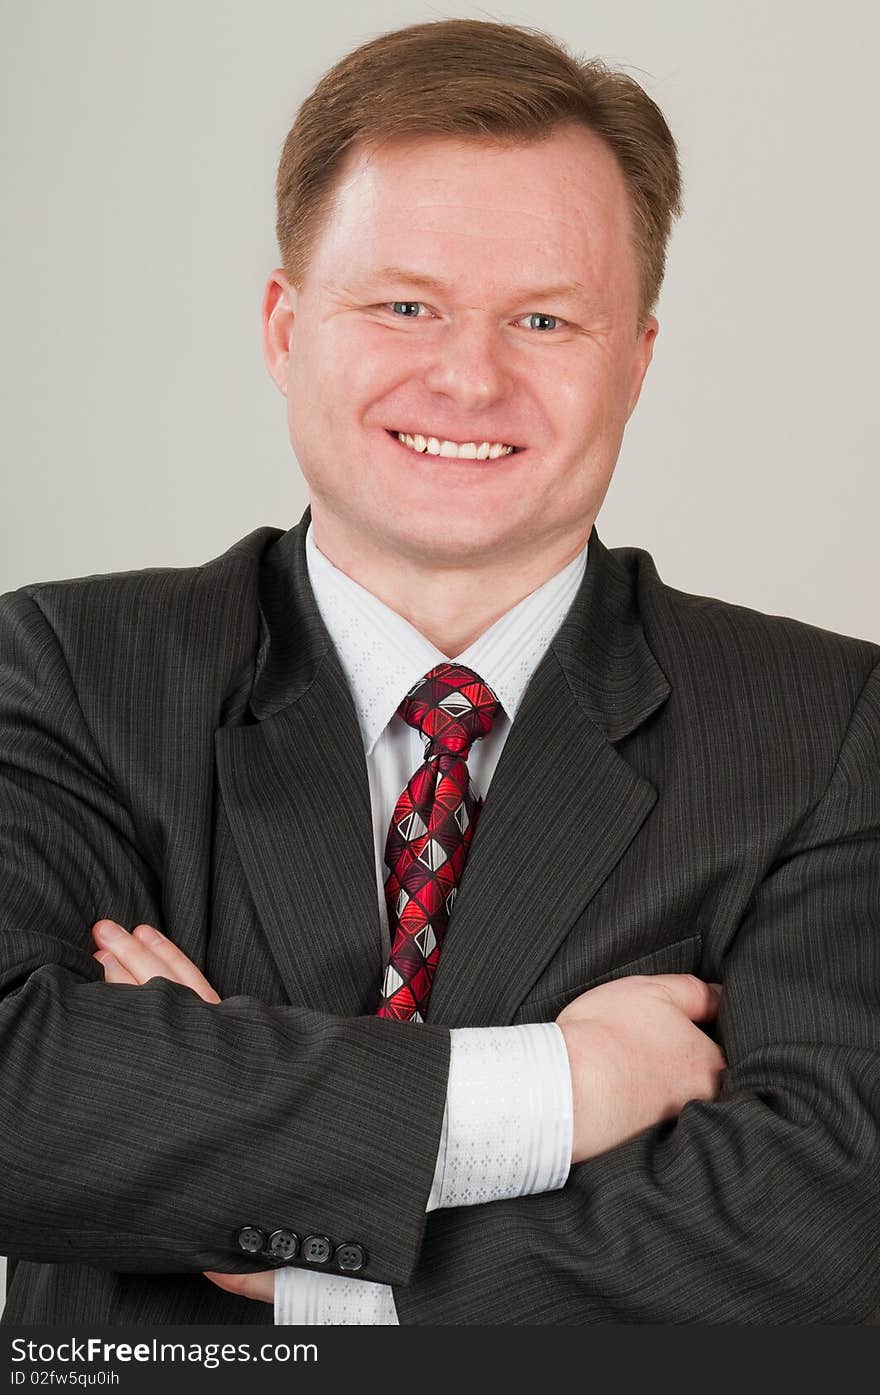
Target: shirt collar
{"points": [[383, 655]]}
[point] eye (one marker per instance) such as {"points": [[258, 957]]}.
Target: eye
{"points": [[408, 309], [539, 315]]}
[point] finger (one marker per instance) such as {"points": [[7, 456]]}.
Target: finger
{"points": [[113, 970], [260, 1287], [696, 998], [179, 967], [132, 954]]}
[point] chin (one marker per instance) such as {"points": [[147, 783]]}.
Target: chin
{"points": [[454, 538]]}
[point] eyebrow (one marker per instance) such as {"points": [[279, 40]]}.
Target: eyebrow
{"points": [[573, 289]]}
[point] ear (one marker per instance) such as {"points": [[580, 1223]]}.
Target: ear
{"points": [[642, 357], [279, 312]]}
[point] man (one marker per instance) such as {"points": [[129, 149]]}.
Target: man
{"points": [[580, 801]]}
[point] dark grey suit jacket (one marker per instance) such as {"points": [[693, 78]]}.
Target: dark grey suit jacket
{"points": [[689, 785]]}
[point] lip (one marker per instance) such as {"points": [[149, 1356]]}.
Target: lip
{"points": [[454, 460]]}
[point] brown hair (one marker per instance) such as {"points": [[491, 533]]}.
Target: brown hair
{"points": [[475, 78]]}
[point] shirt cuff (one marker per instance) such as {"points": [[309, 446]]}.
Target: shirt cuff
{"points": [[307, 1298], [506, 1132], [507, 1126]]}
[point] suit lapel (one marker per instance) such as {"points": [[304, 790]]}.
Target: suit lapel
{"points": [[563, 805], [294, 784]]}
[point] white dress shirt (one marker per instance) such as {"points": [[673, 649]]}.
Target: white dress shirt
{"points": [[507, 1126]]}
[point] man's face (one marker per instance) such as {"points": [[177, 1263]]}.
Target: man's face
{"points": [[525, 335]]}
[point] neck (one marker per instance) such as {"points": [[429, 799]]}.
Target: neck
{"points": [[451, 603]]}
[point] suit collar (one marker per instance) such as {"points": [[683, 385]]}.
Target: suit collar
{"points": [[600, 645], [293, 639], [602, 648], [563, 805]]}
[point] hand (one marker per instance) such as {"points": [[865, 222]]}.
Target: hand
{"points": [[146, 954], [136, 958], [637, 1057], [260, 1286]]}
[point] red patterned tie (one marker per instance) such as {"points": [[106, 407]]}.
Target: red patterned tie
{"points": [[431, 830]]}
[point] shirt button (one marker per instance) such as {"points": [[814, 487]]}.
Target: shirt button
{"points": [[282, 1244], [315, 1249], [250, 1239], [350, 1258]]}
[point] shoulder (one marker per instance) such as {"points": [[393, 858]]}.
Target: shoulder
{"points": [[145, 621], [743, 662], [220, 579]]}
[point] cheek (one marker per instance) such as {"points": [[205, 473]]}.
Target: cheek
{"points": [[343, 375], [587, 401], [377, 360], [576, 403]]}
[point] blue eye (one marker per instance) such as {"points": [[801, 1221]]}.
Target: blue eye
{"points": [[409, 310]]}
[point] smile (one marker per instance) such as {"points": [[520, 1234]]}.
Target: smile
{"points": [[453, 450]]}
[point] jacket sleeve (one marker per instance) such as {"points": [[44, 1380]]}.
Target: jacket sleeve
{"points": [[141, 1128], [761, 1206]]}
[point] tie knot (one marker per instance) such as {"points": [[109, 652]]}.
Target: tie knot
{"points": [[452, 707]]}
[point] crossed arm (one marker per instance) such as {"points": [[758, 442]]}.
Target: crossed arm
{"points": [[636, 1056]]}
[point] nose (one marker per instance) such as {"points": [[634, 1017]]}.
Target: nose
{"points": [[467, 364]]}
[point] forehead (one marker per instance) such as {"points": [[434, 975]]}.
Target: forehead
{"points": [[472, 209]]}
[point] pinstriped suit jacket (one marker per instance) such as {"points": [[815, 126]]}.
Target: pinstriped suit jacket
{"points": [[689, 785]]}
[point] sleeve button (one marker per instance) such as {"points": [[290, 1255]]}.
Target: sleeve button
{"points": [[282, 1244], [250, 1239], [350, 1258], [315, 1249]]}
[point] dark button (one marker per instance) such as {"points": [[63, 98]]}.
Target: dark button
{"points": [[350, 1258], [282, 1244], [250, 1239], [316, 1249]]}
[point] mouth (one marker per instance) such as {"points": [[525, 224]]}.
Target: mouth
{"points": [[472, 452]]}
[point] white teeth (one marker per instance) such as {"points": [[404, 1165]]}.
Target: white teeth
{"points": [[451, 450]]}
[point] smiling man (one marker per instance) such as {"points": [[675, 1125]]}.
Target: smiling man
{"points": [[425, 915], [483, 301]]}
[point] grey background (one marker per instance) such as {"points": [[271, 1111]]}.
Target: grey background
{"points": [[139, 148]]}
